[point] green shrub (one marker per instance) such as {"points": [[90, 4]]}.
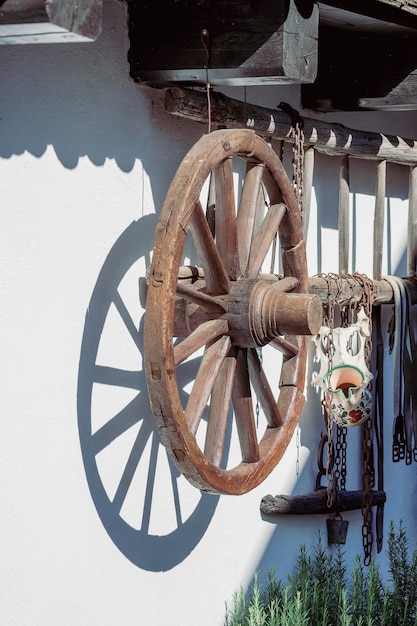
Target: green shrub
{"points": [[320, 592]]}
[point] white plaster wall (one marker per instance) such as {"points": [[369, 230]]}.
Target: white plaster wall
{"points": [[86, 158]]}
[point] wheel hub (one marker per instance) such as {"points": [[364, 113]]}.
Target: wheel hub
{"points": [[257, 311]]}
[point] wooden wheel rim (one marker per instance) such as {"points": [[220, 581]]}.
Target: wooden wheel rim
{"points": [[182, 199]]}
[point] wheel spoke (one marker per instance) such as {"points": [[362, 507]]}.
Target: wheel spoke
{"points": [[226, 303], [263, 390], [264, 238], [219, 409], [247, 212], [199, 297], [217, 281], [202, 335], [211, 206], [287, 348], [212, 360], [242, 403], [293, 370], [226, 227], [286, 284]]}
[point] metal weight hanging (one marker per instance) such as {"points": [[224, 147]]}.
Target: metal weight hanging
{"points": [[337, 529]]}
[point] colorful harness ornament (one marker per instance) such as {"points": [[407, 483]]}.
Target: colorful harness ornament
{"points": [[344, 375]]}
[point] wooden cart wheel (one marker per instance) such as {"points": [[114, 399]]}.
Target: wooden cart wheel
{"points": [[211, 300]]}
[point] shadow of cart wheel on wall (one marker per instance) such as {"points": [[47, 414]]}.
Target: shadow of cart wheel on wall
{"points": [[151, 513]]}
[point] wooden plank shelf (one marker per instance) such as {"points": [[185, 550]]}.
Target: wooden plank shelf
{"points": [[49, 21], [224, 42]]}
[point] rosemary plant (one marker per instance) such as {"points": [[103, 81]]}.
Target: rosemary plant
{"points": [[319, 592]]}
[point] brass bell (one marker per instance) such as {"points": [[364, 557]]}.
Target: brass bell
{"points": [[337, 530]]}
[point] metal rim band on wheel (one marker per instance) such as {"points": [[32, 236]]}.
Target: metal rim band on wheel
{"points": [[230, 311]]}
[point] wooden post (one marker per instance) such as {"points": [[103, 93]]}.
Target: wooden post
{"points": [[379, 218], [412, 222], [343, 219]]}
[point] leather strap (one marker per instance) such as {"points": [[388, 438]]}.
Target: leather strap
{"points": [[378, 392], [410, 387], [396, 343]]}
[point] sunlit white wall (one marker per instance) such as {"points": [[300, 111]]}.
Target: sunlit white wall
{"points": [[86, 158]]}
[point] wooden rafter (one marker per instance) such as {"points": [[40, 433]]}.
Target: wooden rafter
{"points": [[404, 5], [49, 21], [332, 139]]}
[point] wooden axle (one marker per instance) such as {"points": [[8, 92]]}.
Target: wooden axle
{"points": [[316, 502], [344, 290], [256, 311]]}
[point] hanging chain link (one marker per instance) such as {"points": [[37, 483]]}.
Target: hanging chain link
{"points": [[368, 473], [340, 458], [333, 290], [298, 181], [347, 317], [337, 451], [297, 134], [329, 321], [297, 138], [331, 483], [298, 162]]}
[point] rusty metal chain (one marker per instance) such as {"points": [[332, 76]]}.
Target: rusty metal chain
{"points": [[348, 310], [347, 317], [367, 302], [337, 452], [368, 473], [297, 138], [329, 321], [367, 481], [340, 458], [333, 290], [298, 163], [330, 475]]}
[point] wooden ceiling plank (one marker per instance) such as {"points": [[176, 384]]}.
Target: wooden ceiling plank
{"points": [[49, 21]]}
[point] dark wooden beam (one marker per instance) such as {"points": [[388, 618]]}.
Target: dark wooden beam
{"points": [[363, 71], [224, 42], [49, 21], [403, 13], [404, 5]]}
